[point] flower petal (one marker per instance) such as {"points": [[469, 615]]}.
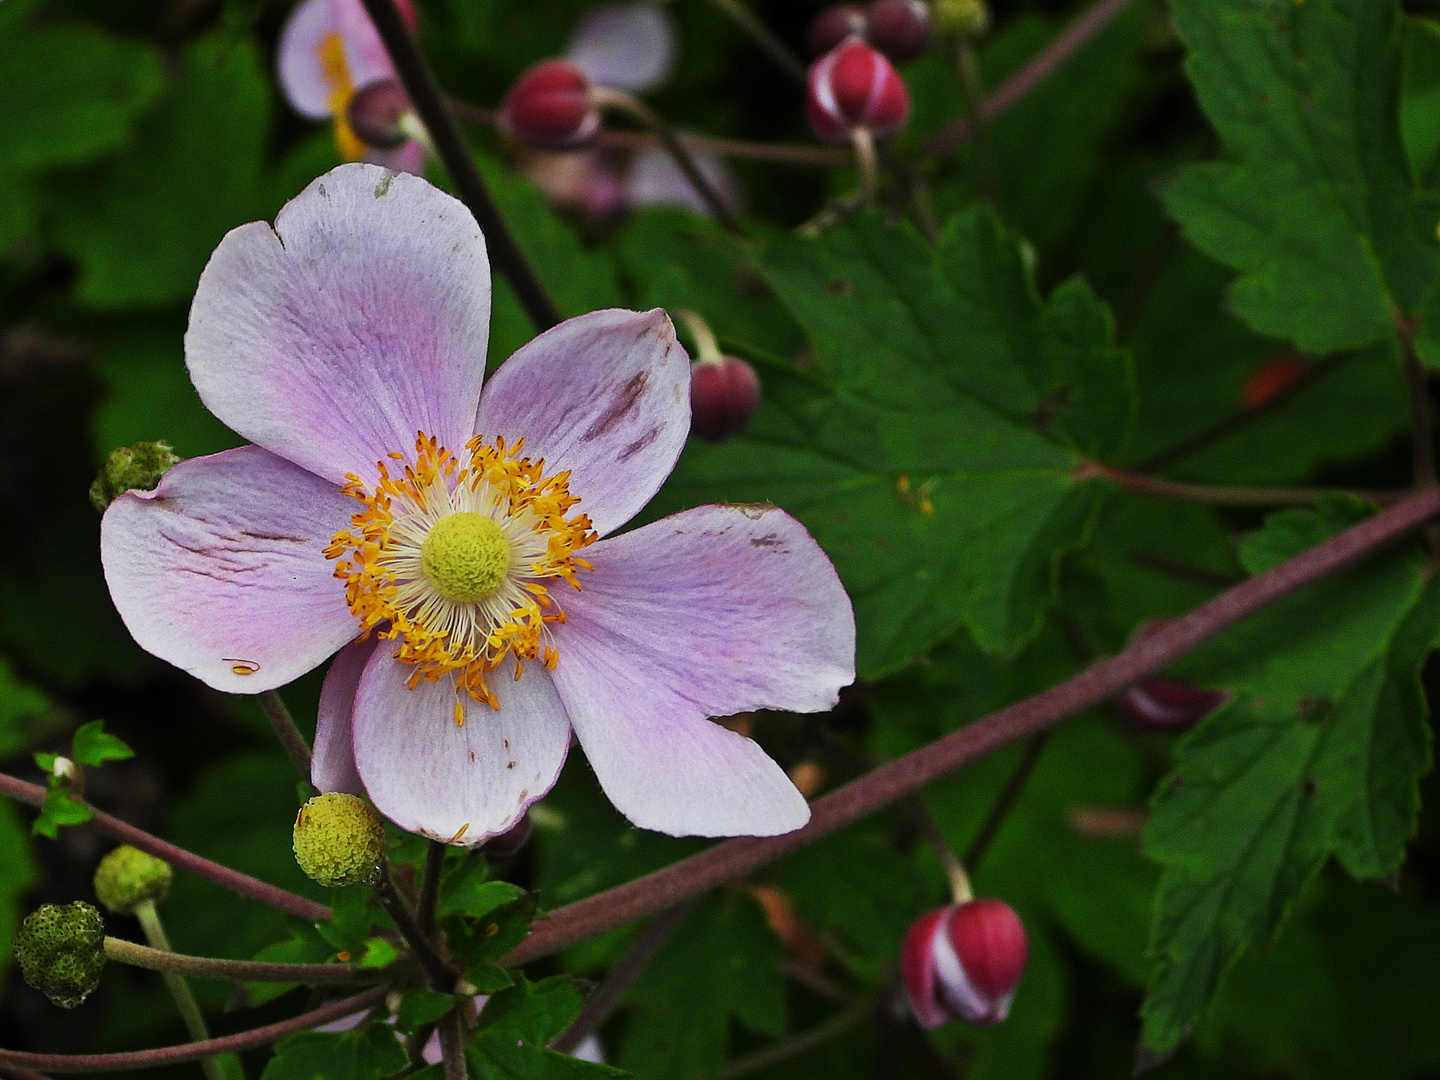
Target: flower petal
{"points": [[460, 784], [360, 319], [408, 157], [297, 59], [655, 180], [221, 569], [365, 53], [332, 763], [605, 396], [627, 46], [714, 611]]}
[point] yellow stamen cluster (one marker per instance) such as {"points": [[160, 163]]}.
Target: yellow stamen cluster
{"points": [[382, 560], [331, 53]]}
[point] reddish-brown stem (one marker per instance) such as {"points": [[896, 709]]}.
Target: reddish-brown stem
{"points": [[1066, 44], [289, 735], [896, 779], [1221, 495], [171, 1055], [244, 884], [212, 967], [1006, 800]]}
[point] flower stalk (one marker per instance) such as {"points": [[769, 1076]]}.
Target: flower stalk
{"points": [[287, 731], [163, 960]]}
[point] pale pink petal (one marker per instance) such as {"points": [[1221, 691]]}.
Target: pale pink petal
{"points": [[626, 46], [605, 396], [359, 319], [365, 53], [655, 180], [718, 610], [332, 764], [297, 59], [408, 157], [221, 571], [458, 783]]}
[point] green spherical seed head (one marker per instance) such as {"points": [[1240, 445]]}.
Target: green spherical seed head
{"points": [[61, 951], [339, 840], [966, 17], [131, 468], [127, 877], [465, 556]]}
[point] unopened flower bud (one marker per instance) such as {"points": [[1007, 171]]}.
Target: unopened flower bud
{"points": [[724, 395], [509, 842], [1271, 379], [834, 25], [61, 951], [375, 113], [900, 28], [550, 107], [1168, 704], [854, 86], [963, 962], [131, 468], [967, 18], [338, 840], [128, 877]]}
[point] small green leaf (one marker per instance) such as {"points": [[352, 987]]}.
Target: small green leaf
{"points": [[304, 946], [60, 809], [478, 942], [420, 1007], [466, 894], [367, 1052], [92, 746], [378, 953]]}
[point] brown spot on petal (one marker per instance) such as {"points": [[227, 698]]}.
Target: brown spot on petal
{"points": [[625, 400], [639, 444]]}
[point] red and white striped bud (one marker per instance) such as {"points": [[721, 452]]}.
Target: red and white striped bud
{"points": [[963, 962], [375, 113], [1166, 705], [550, 107], [724, 395], [834, 25], [900, 28], [854, 86]]}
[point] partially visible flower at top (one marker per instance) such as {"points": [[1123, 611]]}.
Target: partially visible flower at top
{"points": [[328, 53], [629, 47], [482, 610]]}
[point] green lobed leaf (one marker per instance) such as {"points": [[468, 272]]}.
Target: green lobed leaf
{"points": [[419, 1007], [1316, 210], [93, 746], [1321, 750], [1420, 95], [516, 1027], [911, 450], [366, 1052], [60, 809]]}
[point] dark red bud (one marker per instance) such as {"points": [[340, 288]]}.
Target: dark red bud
{"points": [[724, 395], [508, 843], [963, 962], [409, 14], [1273, 377], [549, 107], [854, 86], [1168, 704], [375, 113], [834, 25], [900, 28]]}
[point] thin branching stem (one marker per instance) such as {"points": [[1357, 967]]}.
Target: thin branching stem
{"points": [[894, 780], [439, 974], [452, 1046], [430, 886], [1006, 800], [237, 971], [761, 34], [243, 884], [1221, 495], [286, 731], [797, 1044]]}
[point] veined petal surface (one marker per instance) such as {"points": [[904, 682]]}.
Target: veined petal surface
{"points": [[605, 396], [221, 569], [332, 762], [360, 319], [453, 782], [718, 610]]}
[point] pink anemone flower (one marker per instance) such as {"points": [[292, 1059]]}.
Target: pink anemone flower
{"points": [[456, 546], [328, 51]]}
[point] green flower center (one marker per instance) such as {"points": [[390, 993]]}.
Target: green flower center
{"points": [[465, 556]]}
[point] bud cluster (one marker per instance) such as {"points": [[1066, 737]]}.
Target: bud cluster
{"points": [[898, 28]]}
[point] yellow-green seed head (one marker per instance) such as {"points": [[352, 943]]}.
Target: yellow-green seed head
{"points": [[339, 840], [465, 556], [968, 18], [61, 951], [127, 877], [131, 468]]}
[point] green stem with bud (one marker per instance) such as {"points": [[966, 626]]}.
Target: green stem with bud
{"points": [[208, 967], [706, 345], [866, 163], [219, 1067]]}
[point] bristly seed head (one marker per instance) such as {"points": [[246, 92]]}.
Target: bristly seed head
{"points": [[455, 561]]}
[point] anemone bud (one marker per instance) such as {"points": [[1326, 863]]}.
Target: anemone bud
{"points": [[375, 112], [338, 840], [900, 28], [550, 107], [854, 86], [834, 25], [1168, 704], [509, 842], [61, 951], [128, 877], [963, 962], [724, 395]]}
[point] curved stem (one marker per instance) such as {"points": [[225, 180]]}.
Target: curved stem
{"points": [[608, 97], [960, 890], [242, 884], [896, 779], [796, 1044], [286, 731], [171, 1055], [1005, 801], [505, 254], [1089, 23], [452, 1046], [430, 886], [209, 967], [706, 345], [440, 976], [866, 163], [776, 49], [1219, 495]]}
